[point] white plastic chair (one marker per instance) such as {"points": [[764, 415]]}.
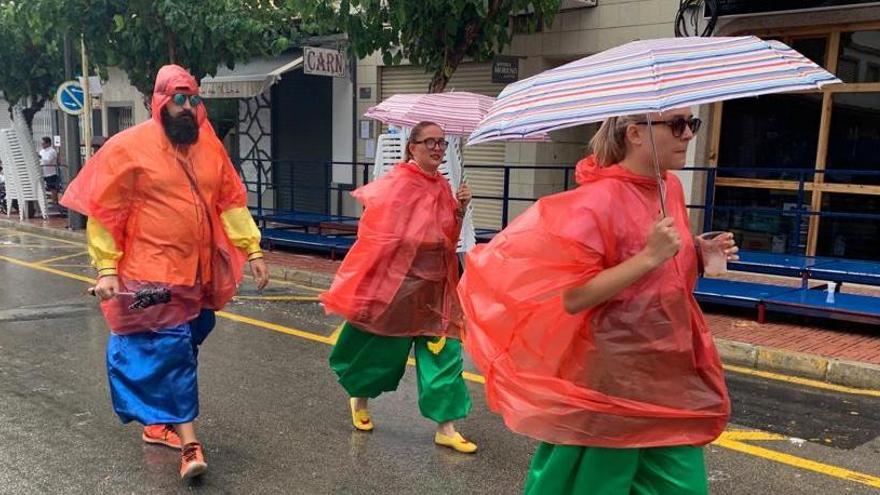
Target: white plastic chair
{"points": [[21, 167]]}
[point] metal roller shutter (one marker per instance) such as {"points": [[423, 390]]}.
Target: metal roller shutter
{"points": [[476, 78]]}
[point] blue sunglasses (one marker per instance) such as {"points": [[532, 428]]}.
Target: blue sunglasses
{"points": [[180, 99]]}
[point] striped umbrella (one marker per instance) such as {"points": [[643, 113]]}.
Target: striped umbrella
{"points": [[648, 76], [457, 112]]}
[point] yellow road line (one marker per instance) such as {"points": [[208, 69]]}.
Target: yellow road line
{"points": [[46, 269], [335, 335], [63, 241], [798, 462], [278, 298], [802, 381], [275, 327], [60, 258], [41, 246], [735, 369], [751, 435], [288, 282], [728, 440]]}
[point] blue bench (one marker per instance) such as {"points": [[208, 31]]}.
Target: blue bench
{"points": [[799, 301], [812, 302], [735, 292], [303, 219], [333, 244], [787, 265], [853, 271], [807, 267]]}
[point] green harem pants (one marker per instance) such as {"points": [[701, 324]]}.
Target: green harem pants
{"points": [[369, 364], [572, 469]]}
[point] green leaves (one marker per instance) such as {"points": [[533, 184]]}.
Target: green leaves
{"points": [[30, 55], [140, 36], [434, 34]]}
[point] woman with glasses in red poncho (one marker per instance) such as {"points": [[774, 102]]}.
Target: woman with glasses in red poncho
{"points": [[396, 290], [582, 317]]}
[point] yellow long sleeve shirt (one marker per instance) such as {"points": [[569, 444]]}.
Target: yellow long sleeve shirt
{"points": [[237, 223]]}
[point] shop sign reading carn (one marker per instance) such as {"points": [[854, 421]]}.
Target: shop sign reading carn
{"points": [[323, 62]]}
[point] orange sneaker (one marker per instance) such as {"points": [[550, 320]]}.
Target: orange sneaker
{"points": [[161, 435], [192, 461]]}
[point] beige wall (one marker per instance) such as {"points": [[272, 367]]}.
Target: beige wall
{"points": [[118, 91]]}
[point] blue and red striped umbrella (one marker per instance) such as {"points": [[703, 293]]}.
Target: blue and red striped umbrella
{"points": [[648, 76]]}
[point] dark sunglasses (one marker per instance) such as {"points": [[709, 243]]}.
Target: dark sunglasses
{"points": [[678, 124], [179, 99], [432, 143]]}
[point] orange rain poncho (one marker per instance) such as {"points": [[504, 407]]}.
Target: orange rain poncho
{"points": [[136, 187], [400, 276], [639, 370]]}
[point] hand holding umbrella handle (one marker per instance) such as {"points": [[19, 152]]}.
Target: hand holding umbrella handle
{"points": [[143, 298]]}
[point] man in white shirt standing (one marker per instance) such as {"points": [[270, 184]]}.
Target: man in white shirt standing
{"points": [[49, 161]]}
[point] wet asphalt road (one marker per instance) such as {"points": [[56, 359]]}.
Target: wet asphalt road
{"points": [[273, 419]]}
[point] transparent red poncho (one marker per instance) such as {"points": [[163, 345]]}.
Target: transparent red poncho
{"points": [[136, 188], [639, 370], [399, 278]]}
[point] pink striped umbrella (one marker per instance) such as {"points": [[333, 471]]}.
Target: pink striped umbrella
{"points": [[457, 112]]}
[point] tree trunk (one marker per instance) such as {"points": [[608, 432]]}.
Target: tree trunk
{"points": [[439, 81], [172, 53], [455, 55], [31, 111]]}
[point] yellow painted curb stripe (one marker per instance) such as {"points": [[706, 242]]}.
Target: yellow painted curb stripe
{"points": [[802, 381]]}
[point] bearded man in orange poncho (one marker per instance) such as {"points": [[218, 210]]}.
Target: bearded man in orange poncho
{"points": [[166, 210]]}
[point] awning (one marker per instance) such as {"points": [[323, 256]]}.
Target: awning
{"points": [[249, 79]]}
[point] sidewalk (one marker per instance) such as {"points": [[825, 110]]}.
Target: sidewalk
{"points": [[833, 352]]}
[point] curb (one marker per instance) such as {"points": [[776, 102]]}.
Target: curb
{"points": [[830, 370]]}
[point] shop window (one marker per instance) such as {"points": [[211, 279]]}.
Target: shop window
{"points": [[859, 57], [854, 139], [847, 237], [776, 226], [772, 131]]}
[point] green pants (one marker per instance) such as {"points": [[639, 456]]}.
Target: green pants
{"points": [[571, 469], [369, 364]]}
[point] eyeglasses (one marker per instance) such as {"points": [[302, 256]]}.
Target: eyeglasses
{"points": [[432, 143], [678, 124], [179, 99]]}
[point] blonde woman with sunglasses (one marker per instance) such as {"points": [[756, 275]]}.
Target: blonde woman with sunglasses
{"points": [[587, 328]]}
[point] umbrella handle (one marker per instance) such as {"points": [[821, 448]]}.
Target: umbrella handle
{"points": [[661, 187]]}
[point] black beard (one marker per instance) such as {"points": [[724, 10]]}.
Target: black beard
{"points": [[182, 129]]}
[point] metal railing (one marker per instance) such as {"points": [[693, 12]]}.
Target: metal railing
{"points": [[561, 178]]}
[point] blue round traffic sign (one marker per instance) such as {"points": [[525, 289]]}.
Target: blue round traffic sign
{"points": [[70, 97]]}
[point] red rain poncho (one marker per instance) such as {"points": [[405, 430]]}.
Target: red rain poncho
{"points": [[639, 370], [136, 188], [400, 276]]}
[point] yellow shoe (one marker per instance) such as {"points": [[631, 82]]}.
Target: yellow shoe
{"points": [[457, 443], [360, 418]]}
